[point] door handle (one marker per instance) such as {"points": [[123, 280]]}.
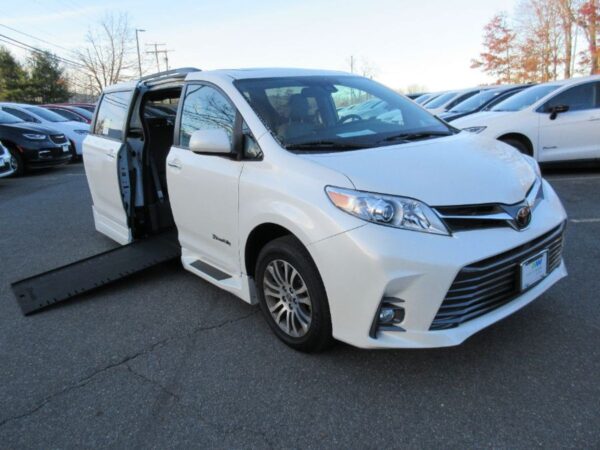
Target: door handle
{"points": [[110, 154], [595, 119], [174, 164]]}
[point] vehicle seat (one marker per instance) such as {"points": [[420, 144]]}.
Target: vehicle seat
{"points": [[300, 122]]}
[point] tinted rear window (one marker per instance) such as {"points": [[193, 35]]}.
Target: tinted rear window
{"points": [[112, 114]]}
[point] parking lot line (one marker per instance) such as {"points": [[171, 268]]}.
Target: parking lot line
{"points": [[591, 220], [582, 178]]}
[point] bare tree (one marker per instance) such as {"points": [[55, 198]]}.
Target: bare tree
{"points": [[568, 10], [108, 55], [415, 88]]}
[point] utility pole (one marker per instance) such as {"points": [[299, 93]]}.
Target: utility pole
{"points": [[166, 53], [137, 42], [155, 52]]}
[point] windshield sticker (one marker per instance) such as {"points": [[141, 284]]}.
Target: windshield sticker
{"points": [[356, 133]]}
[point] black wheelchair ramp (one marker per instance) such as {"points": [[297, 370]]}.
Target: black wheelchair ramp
{"points": [[62, 283]]}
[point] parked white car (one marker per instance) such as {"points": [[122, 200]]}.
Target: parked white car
{"points": [[382, 234], [448, 100], [7, 166], [556, 121], [74, 131]]}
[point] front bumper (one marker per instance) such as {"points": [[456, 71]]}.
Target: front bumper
{"points": [[46, 155], [361, 267]]}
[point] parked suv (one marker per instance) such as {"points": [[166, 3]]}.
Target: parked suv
{"points": [[32, 146], [556, 121], [380, 233]]}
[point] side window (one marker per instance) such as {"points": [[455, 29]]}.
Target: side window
{"points": [[578, 98], [112, 114], [205, 108], [20, 114], [67, 114]]}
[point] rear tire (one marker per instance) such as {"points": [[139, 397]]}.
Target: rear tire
{"points": [[18, 162], [292, 296], [519, 145]]}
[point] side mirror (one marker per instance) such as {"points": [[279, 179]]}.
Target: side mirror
{"points": [[214, 141], [555, 110]]}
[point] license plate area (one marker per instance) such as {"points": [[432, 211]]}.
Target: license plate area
{"points": [[534, 269], [65, 148]]}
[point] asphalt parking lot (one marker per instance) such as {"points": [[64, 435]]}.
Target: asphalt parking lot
{"points": [[165, 360]]}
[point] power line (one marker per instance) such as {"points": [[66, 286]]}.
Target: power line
{"points": [[34, 37], [38, 50]]}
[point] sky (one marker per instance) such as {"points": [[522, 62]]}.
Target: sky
{"points": [[429, 43]]}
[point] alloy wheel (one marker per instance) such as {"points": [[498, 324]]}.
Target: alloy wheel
{"points": [[287, 298]]}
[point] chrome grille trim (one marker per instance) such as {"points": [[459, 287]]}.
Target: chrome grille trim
{"points": [[469, 217], [493, 282], [58, 138]]}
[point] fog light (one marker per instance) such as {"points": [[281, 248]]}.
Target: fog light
{"points": [[389, 316], [386, 315]]}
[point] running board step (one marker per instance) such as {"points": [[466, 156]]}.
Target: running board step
{"points": [[40, 291]]}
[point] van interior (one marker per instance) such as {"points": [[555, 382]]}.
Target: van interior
{"points": [[149, 138]]}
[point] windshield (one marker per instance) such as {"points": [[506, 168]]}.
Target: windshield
{"points": [[477, 101], [9, 118], [84, 112], [423, 98], [525, 98], [336, 113], [46, 114], [441, 100]]}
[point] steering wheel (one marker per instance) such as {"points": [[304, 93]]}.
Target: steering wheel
{"points": [[351, 117]]}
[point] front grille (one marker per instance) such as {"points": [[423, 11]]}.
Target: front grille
{"points": [[58, 138], [488, 284], [477, 217]]}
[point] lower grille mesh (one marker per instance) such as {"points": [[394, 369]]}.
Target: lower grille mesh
{"points": [[488, 284]]}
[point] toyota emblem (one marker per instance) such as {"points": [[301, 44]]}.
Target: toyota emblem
{"points": [[523, 216]]}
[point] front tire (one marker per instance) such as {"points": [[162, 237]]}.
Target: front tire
{"points": [[292, 296], [17, 161]]}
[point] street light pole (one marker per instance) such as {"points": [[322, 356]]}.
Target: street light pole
{"points": [[137, 42]]}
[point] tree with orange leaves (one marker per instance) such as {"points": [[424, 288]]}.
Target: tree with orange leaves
{"points": [[499, 44]]}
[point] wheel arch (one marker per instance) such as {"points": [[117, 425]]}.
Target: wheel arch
{"points": [[260, 236], [521, 138]]}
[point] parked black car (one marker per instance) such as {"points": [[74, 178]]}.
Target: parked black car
{"points": [[31, 145], [482, 101]]}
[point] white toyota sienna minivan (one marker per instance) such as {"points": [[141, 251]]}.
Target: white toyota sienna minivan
{"points": [[383, 230]]}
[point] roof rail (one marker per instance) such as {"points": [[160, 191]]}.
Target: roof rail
{"points": [[181, 72]]}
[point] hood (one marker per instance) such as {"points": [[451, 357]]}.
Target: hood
{"points": [[457, 170], [480, 119], [28, 127]]}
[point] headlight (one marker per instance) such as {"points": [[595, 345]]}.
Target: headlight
{"points": [[475, 130], [398, 212], [533, 164], [34, 136], [81, 131]]}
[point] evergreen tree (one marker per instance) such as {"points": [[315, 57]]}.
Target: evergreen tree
{"points": [[13, 78], [47, 82]]}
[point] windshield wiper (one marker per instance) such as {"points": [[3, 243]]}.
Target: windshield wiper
{"points": [[323, 145], [416, 136]]}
